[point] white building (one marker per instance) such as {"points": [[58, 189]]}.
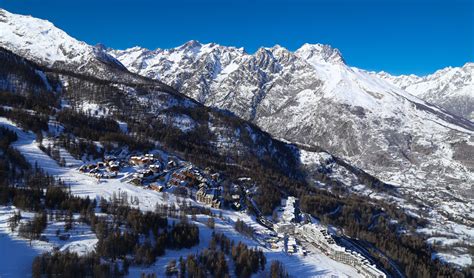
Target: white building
{"points": [[318, 236]]}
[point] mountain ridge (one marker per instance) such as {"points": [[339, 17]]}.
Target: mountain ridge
{"points": [[312, 98], [451, 88], [46, 45]]}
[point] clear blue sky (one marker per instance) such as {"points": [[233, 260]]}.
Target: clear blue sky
{"points": [[401, 37]]}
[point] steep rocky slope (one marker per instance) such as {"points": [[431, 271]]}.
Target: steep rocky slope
{"points": [[311, 96]]}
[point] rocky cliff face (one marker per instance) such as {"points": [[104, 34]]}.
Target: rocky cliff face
{"points": [[312, 96]]}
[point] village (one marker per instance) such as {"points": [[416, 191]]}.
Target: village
{"points": [[291, 230], [171, 175]]}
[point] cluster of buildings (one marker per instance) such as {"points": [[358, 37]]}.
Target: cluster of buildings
{"points": [[108, 168], [204, 183], [149, 168], [192, 179], [319, 237], [142, 160], [208, 191], [285, 242], [151, 172], [188, 176], [209, 196]]}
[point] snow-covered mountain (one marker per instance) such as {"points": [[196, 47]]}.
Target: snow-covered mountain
{"points": [[309, 96], [40, 41], [312, 91], [43, 43], [451, 88], [312, 96]]}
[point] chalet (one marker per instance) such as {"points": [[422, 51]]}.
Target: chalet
{"points": [[84, 169], [113, 166], [157, 188], [181, 178], [145, 160], [189, 174], [136, 181], [135, 160], [215, 176], [155, 168], [146, 173], [208, 197], [150, 156], [190, 177], [171, 164], [142, 160]]}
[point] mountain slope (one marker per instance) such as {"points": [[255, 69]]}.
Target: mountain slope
{"points": [[311, 96], [451, 88], [128, 96], [313, 84], [41, 42], [19, 75]]}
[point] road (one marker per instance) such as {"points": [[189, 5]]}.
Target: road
{"points": [[354, 245]]}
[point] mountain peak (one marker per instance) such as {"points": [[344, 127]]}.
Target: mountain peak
{"points": [[39, 39], [468, 65], [320, 53], [192, 44], [277, 47]]}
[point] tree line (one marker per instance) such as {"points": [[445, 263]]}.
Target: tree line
{"points": [[212, 261]]}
